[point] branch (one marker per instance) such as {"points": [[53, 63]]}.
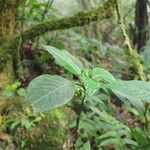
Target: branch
{"points": [[80, 19]]}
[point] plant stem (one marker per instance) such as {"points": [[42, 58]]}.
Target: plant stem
{"points": [[78, 122], [146, 120]]}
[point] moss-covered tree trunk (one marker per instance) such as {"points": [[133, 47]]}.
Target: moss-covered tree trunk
{"points": [[8, 13]]}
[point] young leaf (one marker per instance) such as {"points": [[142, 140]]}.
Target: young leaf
{"points": [[47, 92], [102, 74], [91, 86], [65, 59], [133, 90]]}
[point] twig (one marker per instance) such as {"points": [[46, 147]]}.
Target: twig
{"points": [[78, 121]]}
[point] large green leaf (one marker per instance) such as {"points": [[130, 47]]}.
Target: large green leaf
{"points": [[65, 59], [102, 74], [135, 91], [47, 92]]}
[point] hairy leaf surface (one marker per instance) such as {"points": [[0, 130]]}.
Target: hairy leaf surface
{"points": [[102, 74], [47, 92], [135, 91], [65, 59]]}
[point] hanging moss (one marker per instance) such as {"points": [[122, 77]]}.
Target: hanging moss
{"points": [[80, 19]]}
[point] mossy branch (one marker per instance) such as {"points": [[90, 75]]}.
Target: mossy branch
{"points": [[80, 19], [131, 55]]}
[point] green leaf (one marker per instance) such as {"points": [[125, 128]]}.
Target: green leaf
{"points": [[110, 141], [104, 116], [15, 124], [130, 142], [139, 136], [86, 146], [21, 92], [65, 59], [108, 135], [115, 133], [135, 91], [102, 74], [91, 86], [26, 123], [47, 92]]}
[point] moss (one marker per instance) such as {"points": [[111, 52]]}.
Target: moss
{"points": [[8, 11], [131, 55], [80, 19]]}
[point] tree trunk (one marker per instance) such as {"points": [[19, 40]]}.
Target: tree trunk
{"points": [[141, 24], [8, 12]]}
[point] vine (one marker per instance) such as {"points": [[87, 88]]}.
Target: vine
{"points": [[131, 55]]}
